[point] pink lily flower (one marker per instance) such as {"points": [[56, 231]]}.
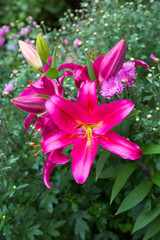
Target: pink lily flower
{"points": [[8, 88], [154, 58], [85, 125], [104, 67]]}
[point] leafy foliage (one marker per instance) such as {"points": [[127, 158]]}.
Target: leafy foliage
{"points": [[70, 211]]}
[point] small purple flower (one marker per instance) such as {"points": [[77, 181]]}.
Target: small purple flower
{"points": [[2, 41], [34, 23], [77, 42], [66, 41], [154, 58], [111, 87], [25, 31], [8, 88]]}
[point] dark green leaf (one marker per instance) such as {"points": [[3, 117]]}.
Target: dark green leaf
{"points": [[153, 228], [145, 218], [101, 161], [90, 69], [23, 186], [135, 196], [124, 173], [109, 173], [150, 148], [156, 178]]}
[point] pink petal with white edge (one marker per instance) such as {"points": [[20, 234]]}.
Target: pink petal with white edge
{"points": [[66, 114], [109, 115], [27, 121], [53, 158], [57, 139], [67, 65], [87, 96], [141, 63], [82, 158], [120, 146]]}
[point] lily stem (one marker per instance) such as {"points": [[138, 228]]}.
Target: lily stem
{"points": [[145, 168], [65, 89]]}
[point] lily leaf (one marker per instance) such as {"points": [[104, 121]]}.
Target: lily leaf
{"points": [[135, 196], [124, 173], [108, 173], [31, 70], [53, 64], [150, 148], [51, 73], [101, 161], [153, 228], [145, 218], [90, 69], [156, 178]]}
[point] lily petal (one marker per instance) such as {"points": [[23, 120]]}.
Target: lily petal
{"points": [[141, 63], [57, 139], [67, 65], [82, 158], [66, 114], [120, 146], [108, 115], [48, 168], [27, 121], [87, 96]]}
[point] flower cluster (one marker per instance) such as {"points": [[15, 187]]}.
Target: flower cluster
{"points": [[81, 121]]}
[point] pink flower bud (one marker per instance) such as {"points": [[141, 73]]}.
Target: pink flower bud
{"points": [[154, 58], [8, 88], [30, 54], [77, 42], [30, 104], [112, 62]]}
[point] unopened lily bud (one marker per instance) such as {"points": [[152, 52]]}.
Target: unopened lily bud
{"points": [[112, 62], [31, 104], [42, 48], [30, 54]]}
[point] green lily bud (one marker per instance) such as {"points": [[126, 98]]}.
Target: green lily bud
{"points": [[42, 48]]}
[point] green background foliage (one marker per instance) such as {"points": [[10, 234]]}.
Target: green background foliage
{"points": [[28, 210]]}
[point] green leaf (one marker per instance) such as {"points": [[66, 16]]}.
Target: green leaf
{"points": [[23, 186], [45, 96], [156, 178], [145, 218], [101, 161], [153, 228], [42, 48], [53, 64], [52, 73], [31, 70], [135, 196], [150, 148], [108, 173], [124, 173], [90, 69]]}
